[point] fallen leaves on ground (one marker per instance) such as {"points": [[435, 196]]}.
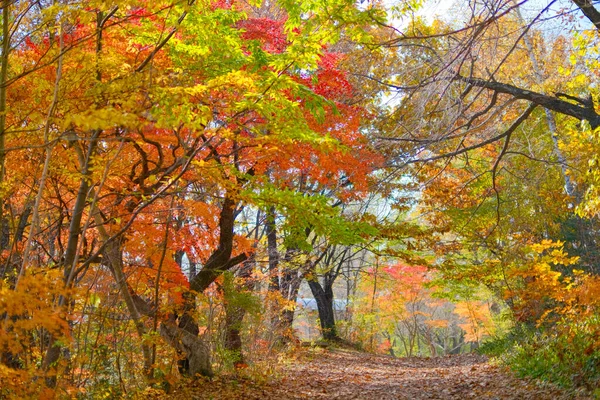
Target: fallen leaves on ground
{"points": [[347, 374]]}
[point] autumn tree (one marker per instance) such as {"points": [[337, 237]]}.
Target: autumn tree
{"points": [[490, 109], [160, 124]]}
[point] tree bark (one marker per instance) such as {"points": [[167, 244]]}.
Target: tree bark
{"points": [[218, 262], [234, 315], [325, 301], [588, 9], [3, 80], [54, 349], [584, 111], [271, 230], [289, 287], [135, 305], [196, 352]]}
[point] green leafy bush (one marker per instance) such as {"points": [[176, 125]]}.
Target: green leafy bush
{"points": [[567, 353]]}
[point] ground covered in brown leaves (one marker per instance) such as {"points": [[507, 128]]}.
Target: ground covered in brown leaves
{"points": [[347, 374]]}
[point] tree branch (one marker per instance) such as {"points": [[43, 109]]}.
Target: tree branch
{"points": [[220, 260], [510, 130], [163, 42], [549, 102], [589, 11]]}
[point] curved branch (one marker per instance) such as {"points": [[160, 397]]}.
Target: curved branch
{"points": [[586, 113], [507, 133]]}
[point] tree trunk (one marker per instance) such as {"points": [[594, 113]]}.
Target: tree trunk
{"points": [[196, 352], [185, 337], [4, 240], [271, 230], [324, 298], [54, 349], [187, 322], [289, 287], [234, 315]]}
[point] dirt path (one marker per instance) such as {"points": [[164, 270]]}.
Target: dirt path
{"points": [[352, 375], [345, 374]]}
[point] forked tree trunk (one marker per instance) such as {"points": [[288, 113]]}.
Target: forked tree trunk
{"points": [[325, 301], [197, 354], [185, 336]]}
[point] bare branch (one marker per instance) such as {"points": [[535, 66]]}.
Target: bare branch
{"points": [[543, 100], [588, 9]]}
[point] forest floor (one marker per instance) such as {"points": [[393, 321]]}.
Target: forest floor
{"points": [[348, 374]]}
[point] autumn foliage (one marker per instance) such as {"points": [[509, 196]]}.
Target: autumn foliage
{"points": [[177, 177]]}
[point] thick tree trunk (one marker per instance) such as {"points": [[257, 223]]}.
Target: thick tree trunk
{"points": [[197, 354], [186, 319], [324, 298], [197, 358], [187, 323], [183, 337], [234, 316]]}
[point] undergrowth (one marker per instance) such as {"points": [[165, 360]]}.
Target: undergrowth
{"points": [[567, 353]]}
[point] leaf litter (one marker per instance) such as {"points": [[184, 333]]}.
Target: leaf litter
{"points": [[350, 374]]}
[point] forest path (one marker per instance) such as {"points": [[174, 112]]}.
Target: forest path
{"points": [[346, 374]]}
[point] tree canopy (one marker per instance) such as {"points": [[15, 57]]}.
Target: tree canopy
{"points": [[176, 176]]}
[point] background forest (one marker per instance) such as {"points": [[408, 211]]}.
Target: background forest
{"points": [[193, 187]]}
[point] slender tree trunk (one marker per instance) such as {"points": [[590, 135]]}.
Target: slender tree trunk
{"points": [[373, 295], [585, 235], [234, 314], [4, 240], [289, 288], [54, 349], [539, 79], [75, 226], [271, 229], [33, 230], [114, 260], [159, 269]]}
